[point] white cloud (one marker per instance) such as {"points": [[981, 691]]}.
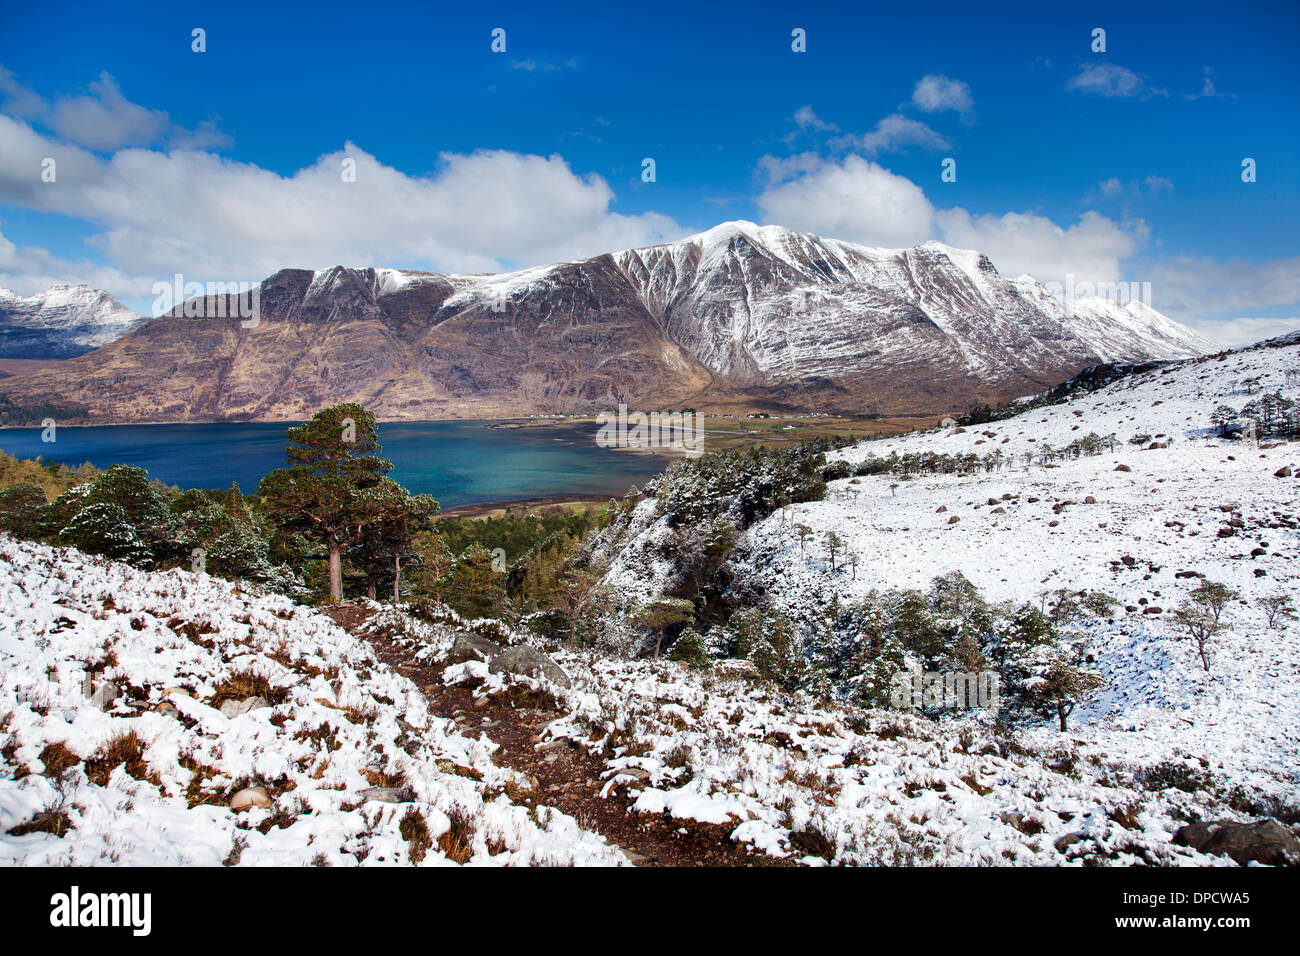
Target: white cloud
{"points": [[103, 119], [1231, 333], [210, 217], [1192, 285], [1110, 80], [935, 93], [854, 199], [805, 118], [29, 270], [1020, 243], [893, 133]]}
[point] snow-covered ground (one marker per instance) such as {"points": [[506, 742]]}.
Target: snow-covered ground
{"points": [[338, 728], [1140, 533], [1027, 529], [817, 783]]}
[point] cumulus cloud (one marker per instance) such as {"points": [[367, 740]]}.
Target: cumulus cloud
{"points": [[1110, 80], [805, 118], [894, 132], [935, 93], [27, 270], [854, 199], [210, 217], [104, 119], [1019, 243]]}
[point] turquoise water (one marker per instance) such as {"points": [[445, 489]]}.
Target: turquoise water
{"points": [[458, 463]]}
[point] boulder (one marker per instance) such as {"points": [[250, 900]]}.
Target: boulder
{"points": [[387, 795], [1283, 472], [525, 660], [1264, 841], [250, 797], [472, 647], [1123, 468], [233, 708], [953, 520]]}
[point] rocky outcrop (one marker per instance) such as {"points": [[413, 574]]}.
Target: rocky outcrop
{"points": [[1264, 841]]}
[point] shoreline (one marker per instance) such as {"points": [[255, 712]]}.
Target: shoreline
{"points": [[525, 505]]}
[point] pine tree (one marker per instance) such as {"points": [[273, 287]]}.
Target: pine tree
{"points": [[662, 613], [321, 493], [475, 588], [23, 510]]}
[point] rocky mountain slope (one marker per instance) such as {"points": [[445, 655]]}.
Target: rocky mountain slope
{"points": [[740, 315], [62, 322]]}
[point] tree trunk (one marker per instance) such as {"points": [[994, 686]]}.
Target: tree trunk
{"points": [[659, 642], [1062, 712], [336, 572], [370, 586], [397, 577]]}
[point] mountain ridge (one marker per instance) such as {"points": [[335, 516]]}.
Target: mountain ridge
{"points": [[62, 322], [737, 316]]}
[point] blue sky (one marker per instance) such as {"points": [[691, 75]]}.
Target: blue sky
{"points": [[225, 164]]}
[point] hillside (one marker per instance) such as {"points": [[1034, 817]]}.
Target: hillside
{"points": [[1144, 523], [115, 747]]}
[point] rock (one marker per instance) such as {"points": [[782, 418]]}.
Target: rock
{"points": [[387, 795], [637, 773], [471, 647], [1264, 841], [941, 509], [1122, 468], [1128, 560], [233, 708], [998, 511], [1090, 500], [1065, 841], [522, 659], [993, 501], [953, 520], [1283, 472], [250, 797]]}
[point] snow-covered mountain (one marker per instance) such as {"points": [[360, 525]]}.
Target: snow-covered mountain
{"points": [[738, 316], [767, 304], [62, 322]]}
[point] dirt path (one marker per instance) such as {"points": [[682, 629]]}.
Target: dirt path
{"points": [[565, 777]]}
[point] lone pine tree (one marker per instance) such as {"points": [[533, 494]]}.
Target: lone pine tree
{"points": [[334, 485]]}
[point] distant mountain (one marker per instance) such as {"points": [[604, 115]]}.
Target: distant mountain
{"points": [[740, 316], [61, 322]]}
